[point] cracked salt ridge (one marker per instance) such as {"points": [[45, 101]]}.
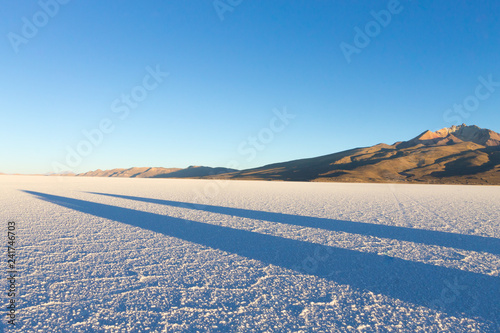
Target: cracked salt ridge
{"points": [[228, 292]]}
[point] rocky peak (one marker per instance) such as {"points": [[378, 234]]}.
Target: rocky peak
{"points": [[455, 134]]}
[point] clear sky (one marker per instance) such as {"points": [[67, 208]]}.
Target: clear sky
{"points": [[352, 73]]}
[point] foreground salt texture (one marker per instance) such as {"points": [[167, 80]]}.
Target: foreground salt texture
{"points": [[140, 255]]}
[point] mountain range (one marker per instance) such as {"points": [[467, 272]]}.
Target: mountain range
{"points": [[454, 155], [152, 172]]}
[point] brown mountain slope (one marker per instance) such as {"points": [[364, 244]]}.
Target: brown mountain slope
{"points": [[190, 172], [456, 155], [195, 172], [129, 173]]}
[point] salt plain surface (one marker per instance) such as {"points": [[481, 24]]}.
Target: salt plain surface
{"points": [[155, 255]]}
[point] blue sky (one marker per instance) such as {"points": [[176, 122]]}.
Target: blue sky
{"points": [[232, 66]]}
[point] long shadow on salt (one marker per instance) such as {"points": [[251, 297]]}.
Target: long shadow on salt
{"points": [[453, 291], [422, 236]]}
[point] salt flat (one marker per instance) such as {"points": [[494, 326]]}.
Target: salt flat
{"points": [[166, 255]]}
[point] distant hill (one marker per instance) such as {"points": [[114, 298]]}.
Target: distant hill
{"points": [[65, 173], [145, 172], [195, 172], [456, 155], [129, 173]]}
